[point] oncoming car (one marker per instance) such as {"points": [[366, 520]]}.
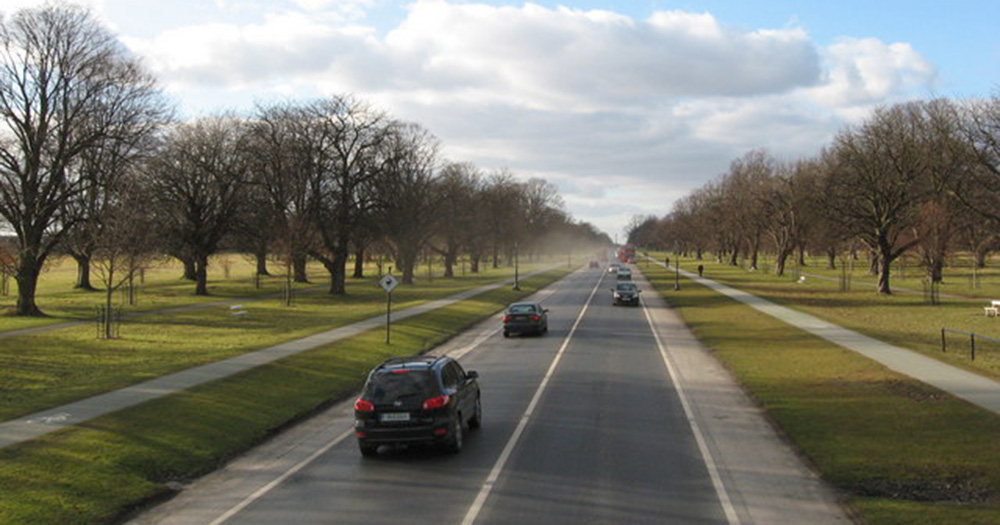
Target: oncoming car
{"points": [[625, 292], [418, 399], [525, 318]]}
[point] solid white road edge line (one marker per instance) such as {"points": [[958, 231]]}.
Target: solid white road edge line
{"points": [[484, 491], [259, 493], [706, 454]]}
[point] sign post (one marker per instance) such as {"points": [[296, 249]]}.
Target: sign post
{"points": [[388, 283]]}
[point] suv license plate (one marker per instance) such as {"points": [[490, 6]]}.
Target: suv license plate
{"points": [[394, 416]]}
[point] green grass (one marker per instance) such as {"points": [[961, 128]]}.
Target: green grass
{"points": [[898, 450], [903, 319], [55, 367], [99, 471]]}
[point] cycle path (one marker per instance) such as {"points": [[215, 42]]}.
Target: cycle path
{"points": [[974, 388], [43, 422]]}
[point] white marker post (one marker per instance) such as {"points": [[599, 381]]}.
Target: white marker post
{"points": [[388, 283]]}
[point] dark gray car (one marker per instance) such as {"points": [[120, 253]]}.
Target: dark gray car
{"points": [[525, 318], [625, 292]]}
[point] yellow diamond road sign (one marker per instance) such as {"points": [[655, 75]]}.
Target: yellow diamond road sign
{"points": [[388, 283]]}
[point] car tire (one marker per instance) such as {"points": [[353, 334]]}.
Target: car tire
{"points": [[454, 445], [476, 420], [506, 333], [368, 450]]}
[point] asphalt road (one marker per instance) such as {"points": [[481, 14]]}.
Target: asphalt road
{"points": [[582, 425]]}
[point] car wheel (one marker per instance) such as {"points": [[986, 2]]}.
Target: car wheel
{"points": [[506, 333], [454, 445], [368, 450], [477, 417]]}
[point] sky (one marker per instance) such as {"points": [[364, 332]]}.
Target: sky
{"points": [[625, 106]]}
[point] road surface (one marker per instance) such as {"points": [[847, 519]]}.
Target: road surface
{"points": [[602, 420]]}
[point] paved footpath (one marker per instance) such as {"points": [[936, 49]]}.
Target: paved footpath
{"points": [[41, 423], [969, 386]]}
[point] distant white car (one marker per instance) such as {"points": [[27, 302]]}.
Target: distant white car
{"points": [[613, 267], [624, 274]]}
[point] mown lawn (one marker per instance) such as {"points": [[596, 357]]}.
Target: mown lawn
{"points": [[99, 471], [904, 318], [897, 450], [47, 369]]}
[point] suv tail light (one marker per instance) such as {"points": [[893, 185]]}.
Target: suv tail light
{"points": [[506, 318], [436, 402], [363, 406], [536, 318]]}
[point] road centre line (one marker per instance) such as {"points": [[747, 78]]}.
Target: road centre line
{"points": [[706, 454], [487, 487]]}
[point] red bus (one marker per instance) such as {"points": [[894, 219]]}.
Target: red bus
{"points": [[626, 254]]}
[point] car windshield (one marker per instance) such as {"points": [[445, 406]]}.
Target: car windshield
{"points": [[388, 386], [522, 309], [626, 287]]}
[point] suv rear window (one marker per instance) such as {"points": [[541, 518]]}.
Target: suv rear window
{"points": [[388, 386]]}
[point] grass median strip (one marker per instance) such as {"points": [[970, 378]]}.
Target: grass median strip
{"points": [[98, 471], [898, 450]]}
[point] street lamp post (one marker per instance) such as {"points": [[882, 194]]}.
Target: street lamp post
{"points": [[677, 271], [517, 279]]}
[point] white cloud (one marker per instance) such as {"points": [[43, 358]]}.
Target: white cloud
{"points": [[621, 113], [864, 72]]}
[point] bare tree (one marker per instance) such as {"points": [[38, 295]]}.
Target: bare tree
{"points": [[344, 140], [879, 180], [503, 205], [457, 187], [66, 86], [407, 193], [196, 184], [284, 161], [123, 245]]}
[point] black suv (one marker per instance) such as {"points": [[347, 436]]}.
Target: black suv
{"points": [[417, 399]]}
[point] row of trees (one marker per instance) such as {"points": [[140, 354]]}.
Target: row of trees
{"points": [[921, 177], [93, 165]]}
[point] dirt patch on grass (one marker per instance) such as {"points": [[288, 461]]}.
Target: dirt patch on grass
{"points": [[912, 390], [953, 490]]}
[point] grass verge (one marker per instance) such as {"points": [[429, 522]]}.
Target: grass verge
{"points": [[899, 451], [904, 319], [100, 471], [51, 368]]}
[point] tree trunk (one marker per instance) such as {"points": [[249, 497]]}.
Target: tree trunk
{"points": [[449, 263], [779, 262], [981, 258], [83, 272], [936, 271], [28, 270], [474, 263], [190, 272], [337, 266], [359, 263], [884, 262], [299, 261], [201, 276], [831, 259], [261, 258], [108, 296]]}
